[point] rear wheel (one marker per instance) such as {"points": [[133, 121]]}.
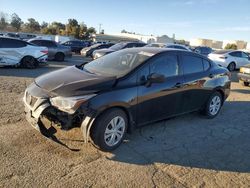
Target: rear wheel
{"points": [[109, 130], [29, 62], [231, 67], [246, 83], [213, 105], [59, 56]]}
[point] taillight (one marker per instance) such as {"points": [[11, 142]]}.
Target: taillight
{"points": [[45, 51]]}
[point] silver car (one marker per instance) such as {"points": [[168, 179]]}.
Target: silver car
{"points": [[15, 52], [57, 51]]}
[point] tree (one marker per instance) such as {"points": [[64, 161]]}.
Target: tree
{"points": [[3, 21], [16, 22], [124, 31], [44, 25], [231, 47], [83, 31], [32, 25], [72, 28]]}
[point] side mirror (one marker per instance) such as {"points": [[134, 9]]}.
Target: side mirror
{"points": [[156, 78]]}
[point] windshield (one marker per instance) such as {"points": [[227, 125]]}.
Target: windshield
{"points": [[117, 46], [118, 63]]}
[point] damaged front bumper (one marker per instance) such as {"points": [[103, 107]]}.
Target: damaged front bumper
{"points": [[37, 106]]}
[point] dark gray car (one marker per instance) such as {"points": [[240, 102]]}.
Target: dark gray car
{"points": [[56, 52]]}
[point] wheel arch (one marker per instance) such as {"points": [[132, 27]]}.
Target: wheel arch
{"points": [[221, 91], [25, 57], [89, 122]]}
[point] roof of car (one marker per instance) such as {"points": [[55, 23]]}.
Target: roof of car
{"points": [[155, 50]]}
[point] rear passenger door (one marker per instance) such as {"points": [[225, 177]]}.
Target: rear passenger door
{"points": [[196, 77]]}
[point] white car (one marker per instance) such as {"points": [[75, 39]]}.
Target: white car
{"points": [[14, 52], [230, 59]]}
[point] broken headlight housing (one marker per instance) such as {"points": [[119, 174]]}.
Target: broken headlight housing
{"points": [[69, 104]]}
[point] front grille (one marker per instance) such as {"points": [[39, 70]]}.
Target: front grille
{"points": [[30, 99]]}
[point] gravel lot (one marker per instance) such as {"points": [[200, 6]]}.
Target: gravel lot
{"points": [[187, 151]]}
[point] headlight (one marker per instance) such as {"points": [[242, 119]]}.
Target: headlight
{"points": [[69, 104]]}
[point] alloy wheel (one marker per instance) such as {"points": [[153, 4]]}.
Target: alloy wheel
{"points": [[215, 105], [114, 131]]}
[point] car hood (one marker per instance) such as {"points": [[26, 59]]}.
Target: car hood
{"points": [[71, 81], [104, 51]]}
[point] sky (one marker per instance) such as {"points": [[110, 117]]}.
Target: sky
{"points": [[187, 19]]}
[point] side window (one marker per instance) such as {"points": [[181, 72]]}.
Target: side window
{"points": [[140, 45], [235, 54], [12, 43], [244, 55], [192, 64], [130, 45], [37, 42], [48, 44], [166, 65], [206, 64]]}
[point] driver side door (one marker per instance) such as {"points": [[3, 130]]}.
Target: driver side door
{"points": [[157, 101]]}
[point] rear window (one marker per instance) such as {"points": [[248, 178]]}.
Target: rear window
{"points": [[192, 64]]}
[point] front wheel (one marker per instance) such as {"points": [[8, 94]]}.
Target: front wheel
{"points": [[109, 130], [59, 57], [213, 105]]}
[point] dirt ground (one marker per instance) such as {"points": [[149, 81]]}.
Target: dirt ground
{"points": [[187, 151]]}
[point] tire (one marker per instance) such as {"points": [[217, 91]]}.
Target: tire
{"points": [[211, 110], [102, 135], [59, 56], [29, 62], [246, 83], [231, 67]]}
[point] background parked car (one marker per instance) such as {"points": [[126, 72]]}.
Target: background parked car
{"points": [[203, 50], [244, 75], [76, 45], [20, 53], [88, 51], [178, 46], [230, 59], [157, 45], [116, 47], [56, 51]]}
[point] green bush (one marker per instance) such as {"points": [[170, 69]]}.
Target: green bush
{"points": [[231, 47]]}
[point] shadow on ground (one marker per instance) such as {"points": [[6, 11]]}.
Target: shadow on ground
{"points": [[192, 141]]}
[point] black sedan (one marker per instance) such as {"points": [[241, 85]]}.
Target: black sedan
{"points": [[126, 89], [116, 47]]}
